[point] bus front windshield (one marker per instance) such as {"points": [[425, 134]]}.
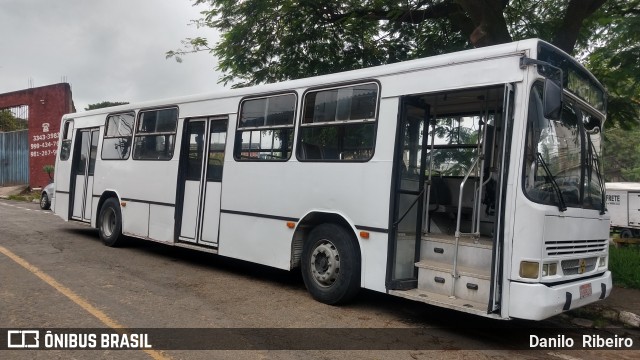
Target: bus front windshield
{"points": [[562, 157]]}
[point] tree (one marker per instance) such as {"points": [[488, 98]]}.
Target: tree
{"points": [[273, 40], [8, 122], [104, 104], [615, 60], [621, 157]]}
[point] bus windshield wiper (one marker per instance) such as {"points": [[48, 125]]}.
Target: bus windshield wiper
{"points": [[554, 184]]}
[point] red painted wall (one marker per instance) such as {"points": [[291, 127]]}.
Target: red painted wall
{"points": [[46, 105]]}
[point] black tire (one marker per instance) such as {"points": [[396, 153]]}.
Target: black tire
{"points": [[625, 234], [110, 223], [45, 203], [330, 264]]}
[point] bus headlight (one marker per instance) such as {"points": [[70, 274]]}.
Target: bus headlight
{"points": [[603, 261], [549, 269], [529, 269]]}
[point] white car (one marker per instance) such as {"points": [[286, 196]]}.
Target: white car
{"points": [[47, 196]]}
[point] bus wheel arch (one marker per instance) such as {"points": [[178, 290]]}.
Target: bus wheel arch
{"points": [[109, 220], [330, 257]]}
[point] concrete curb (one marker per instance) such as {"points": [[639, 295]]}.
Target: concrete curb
{"points": [[628, 319]]}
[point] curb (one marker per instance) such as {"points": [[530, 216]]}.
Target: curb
{"points": [[586, 317], [629, 318]]}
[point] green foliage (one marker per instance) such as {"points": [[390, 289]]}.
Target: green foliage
{"points": [[104, 104], [621, 157], [614, 59], [49, 170], [8, 122], [266, 41], [624, 263]]}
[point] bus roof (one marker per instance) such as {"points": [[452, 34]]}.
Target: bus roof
{"points": [[500, 50]]}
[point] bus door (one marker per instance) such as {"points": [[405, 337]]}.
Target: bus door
{"points": [[410, 166], [200, 182], [84, 164]]}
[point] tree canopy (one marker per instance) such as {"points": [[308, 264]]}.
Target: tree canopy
{"points": [[104, 104], [273, 40], [9, 122]]}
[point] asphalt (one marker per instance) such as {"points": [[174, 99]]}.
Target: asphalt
{"points": [[621, 307]]}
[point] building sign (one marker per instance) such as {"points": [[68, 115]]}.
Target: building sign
{"points": [[45, 143]]}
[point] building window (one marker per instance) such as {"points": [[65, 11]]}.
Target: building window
{"points": [[65, 146], [265, 128], [117, 137], [339, 124], [156, 134]]}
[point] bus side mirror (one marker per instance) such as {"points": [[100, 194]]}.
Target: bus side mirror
{"points": [[552, 99]]}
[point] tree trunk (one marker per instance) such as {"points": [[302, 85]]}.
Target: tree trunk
{"points": [[488, 19], [574, 16]]}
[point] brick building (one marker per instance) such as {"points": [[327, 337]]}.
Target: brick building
{"points": [[46, 105]]}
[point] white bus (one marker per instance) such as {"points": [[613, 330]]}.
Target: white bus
{"points": [[468, 180]]}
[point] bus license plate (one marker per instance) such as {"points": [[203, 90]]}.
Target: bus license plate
{"points": [[585, 290]]}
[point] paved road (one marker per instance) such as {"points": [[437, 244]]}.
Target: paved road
{"points": [[55, 274]]}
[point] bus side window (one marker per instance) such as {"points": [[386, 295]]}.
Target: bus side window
{"points": [[265, 128], [156, 134], [338, 124], [117, 137], [65, 146]]}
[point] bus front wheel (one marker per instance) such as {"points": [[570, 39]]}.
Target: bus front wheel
{"points": [[110, 223], [331, 264]]}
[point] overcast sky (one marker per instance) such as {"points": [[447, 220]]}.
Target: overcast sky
{"points": [[108, 50]]}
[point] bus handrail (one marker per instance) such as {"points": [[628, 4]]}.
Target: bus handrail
{"points": [[457, 234]]}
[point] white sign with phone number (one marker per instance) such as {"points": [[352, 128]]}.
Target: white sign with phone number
{"points": [[44, 144]]}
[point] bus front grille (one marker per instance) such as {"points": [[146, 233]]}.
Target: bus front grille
{"points": [[569, 247], [578, 266]]}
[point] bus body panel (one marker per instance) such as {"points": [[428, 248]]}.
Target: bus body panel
{"points": [[474, 73]]}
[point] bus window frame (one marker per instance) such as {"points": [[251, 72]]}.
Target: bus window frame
{"points": [[319, 88], [237, 136], [67, 129], [137, 134], [105, 136]]}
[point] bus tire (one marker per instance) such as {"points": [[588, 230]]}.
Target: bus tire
{"points": [[110, 223], [331, 264]]}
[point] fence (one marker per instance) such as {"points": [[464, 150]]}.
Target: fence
{"points": [[14, 158]]}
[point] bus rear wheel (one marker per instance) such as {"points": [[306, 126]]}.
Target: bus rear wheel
{"points": [[110, 223], [331, 264]]}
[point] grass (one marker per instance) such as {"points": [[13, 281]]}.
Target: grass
{"points": [[624, 263], [26, 196]]}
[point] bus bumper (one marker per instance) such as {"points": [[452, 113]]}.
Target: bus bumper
{"points": [[538, 301]]}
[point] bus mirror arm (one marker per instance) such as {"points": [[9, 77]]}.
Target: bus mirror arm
{"points": [[552, 96]]}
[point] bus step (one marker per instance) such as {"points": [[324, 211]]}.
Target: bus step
{"points": [[470, 254], [445, 301], [472, 284]]}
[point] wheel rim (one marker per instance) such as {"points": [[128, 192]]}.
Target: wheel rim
{"points": [[325, 263], [108, 222], [43, 201]]}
